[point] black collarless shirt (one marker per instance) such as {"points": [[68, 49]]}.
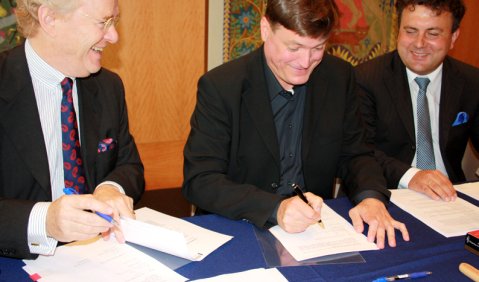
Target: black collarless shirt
{"points": [[288, 110]]}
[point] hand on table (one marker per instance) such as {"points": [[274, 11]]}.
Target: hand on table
{"points": [[434, 184], [374, 213]]}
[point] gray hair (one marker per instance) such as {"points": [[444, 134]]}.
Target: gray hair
{"points": [[27, 12]]}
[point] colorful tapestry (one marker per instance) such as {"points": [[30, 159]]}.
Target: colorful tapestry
{"points": [[366, 29], [9, 37]]}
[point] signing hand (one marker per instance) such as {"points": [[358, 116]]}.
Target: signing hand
{"points": [[374, 213], [68, 218], [122, 206], [434, 184], [295, 216]]}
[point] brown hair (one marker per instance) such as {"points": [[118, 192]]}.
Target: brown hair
{"points": [[312, 18]]}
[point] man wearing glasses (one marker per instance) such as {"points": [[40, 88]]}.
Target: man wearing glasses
{"points": [[63, 125]]}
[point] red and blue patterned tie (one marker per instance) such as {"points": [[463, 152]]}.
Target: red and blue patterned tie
{"points": [[72, 161]]}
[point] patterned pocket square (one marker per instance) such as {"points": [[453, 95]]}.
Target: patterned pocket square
{"points": [[106, 145], [461, 118]]}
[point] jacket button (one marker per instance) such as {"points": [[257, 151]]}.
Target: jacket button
{"points": [[413, 147], [274, 185]]}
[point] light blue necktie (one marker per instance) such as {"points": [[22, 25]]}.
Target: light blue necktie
{"points": [[424, 150]]}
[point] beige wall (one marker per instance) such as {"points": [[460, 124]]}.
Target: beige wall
{"points": [[215, 33], [160, 56]]}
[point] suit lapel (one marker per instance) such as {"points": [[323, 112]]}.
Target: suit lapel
{"points": [[20, 118], [398, 87], [89, 125], [316, 93], [257, 102], [451, 89]]}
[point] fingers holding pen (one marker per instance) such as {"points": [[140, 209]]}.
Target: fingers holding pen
{"points": [[68, 218], [314, 202], [294, 215]]}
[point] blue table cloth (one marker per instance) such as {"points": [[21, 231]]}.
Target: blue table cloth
{"points": [[426, 251]]}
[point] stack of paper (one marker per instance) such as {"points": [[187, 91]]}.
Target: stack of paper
{"points": [[338, 236], [258, 274], [470, 189], [99, 260], [451, 219], [171, 235]]}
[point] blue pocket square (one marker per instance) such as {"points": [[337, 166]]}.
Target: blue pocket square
{"points": [[106, 145], [461, 118]]}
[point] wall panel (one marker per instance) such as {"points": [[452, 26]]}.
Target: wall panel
{"points": [[160, 56], [467, 45]]}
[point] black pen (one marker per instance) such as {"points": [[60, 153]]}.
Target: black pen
{"points": [[299, 192]]}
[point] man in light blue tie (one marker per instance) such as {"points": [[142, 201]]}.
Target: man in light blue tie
{"points": [[420, 105]]}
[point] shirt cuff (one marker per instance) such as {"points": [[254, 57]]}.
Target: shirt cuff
{"points": [[272, 220], [38, 241], [384, 198], [117, 186], [404, 181]]}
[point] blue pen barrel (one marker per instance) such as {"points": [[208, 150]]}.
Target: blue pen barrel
{"points": [[72, 191], [419, 274]]}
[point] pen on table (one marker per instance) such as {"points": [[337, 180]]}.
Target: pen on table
{"points": [[299, 192], [403, 276], [72, 191]]}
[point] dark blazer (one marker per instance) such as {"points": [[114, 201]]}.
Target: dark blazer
{"points": [[24, 172], [387, 110], [232, 164]]}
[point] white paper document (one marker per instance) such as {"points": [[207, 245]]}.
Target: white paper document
{"points": [[258, 274], [171, 235], [338, 236], [99, 260], [470, 189], [448, 218]]}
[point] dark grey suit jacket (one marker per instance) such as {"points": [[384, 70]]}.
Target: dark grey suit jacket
{"points": [[232, 164], [387, 110], [24, 172]]}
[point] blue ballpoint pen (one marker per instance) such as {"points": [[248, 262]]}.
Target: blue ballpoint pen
{"points": [[403, 276], [72, 191]]}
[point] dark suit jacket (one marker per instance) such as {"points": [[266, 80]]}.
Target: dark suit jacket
{"points": [[24, 172], [232, 164], [387, 110]]}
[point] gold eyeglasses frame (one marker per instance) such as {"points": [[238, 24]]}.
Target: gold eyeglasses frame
{"points": [[107, 23]]}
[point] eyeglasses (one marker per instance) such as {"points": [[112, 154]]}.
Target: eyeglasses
{"points": [[107, 23]]}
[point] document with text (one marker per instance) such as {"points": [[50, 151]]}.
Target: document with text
{"points": [[470, 189], [337, 237], [99, 260], [258, 274], [450, 219], [171, 235]]}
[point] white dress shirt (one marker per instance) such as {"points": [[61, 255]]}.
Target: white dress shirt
{"points": [[433, 94], [48, 94]]}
